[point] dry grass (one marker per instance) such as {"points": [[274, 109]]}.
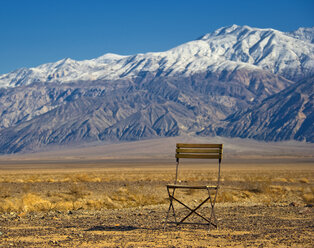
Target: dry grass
{"points": [[111, 189]]}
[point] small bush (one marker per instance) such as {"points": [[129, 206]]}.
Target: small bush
{"points": [[304, 180]]}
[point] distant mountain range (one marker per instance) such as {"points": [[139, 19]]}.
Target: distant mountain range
{"points": [[238, 81]]}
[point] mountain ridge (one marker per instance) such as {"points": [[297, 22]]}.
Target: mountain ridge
{"points": [[226, 48], [205, 87]]}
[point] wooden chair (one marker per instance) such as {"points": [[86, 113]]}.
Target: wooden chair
{"points": [[195, 151]]}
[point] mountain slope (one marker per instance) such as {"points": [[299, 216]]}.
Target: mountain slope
{"points": [[230, 91], [71, 114], [286, 115]]}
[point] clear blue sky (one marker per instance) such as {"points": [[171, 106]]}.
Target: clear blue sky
{"points": [[33, 32]]}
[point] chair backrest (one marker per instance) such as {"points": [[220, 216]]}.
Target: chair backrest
{"points": [[199, 151]]}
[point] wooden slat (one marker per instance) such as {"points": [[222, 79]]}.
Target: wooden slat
{"points": [[198, 156], [180, 150], [172, 186], [199, 145]]}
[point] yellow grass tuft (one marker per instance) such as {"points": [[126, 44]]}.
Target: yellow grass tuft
{"points": [[63, 206], [280, 179], [308, 198], [257, 186], [32, 202], [7, 206], [28, 203], [304, 180]]}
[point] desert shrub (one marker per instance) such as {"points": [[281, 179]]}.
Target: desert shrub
{"points": [[308, 198], [32, 202], [227, 196], [5, 191], [257, 185], [63, 205], [77, 191], [7, 205], [304, 180], [135, 197], [280, 179], [106, 202], [29, 202]]}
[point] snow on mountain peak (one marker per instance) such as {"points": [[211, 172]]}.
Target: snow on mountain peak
{"points": [[287, 54], [306, 34], [268, 49], [108, 58], [230, 29]]}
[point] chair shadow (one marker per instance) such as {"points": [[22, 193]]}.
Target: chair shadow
{"points": [[122, 228], [113, 228]]}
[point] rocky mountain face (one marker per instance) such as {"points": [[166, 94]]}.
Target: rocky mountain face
{"points": [[286, 115], [234, 82]]}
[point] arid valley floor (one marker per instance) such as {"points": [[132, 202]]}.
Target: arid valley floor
{"points": [[96, 197]]}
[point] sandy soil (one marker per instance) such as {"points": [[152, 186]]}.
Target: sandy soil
{"points": [[240, 226], [110, 202]]}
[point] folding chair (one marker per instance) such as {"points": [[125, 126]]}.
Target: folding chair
{"points": [[195, 151]]}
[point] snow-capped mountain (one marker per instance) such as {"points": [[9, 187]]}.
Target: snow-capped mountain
{"points": [[230, 48], [200, 87]]}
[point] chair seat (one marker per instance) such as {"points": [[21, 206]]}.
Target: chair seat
{"points": [[178, 186]]}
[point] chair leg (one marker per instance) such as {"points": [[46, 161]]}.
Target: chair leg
{"points": [[212, 204], [211, 221], [193, 210], [171, 206]]}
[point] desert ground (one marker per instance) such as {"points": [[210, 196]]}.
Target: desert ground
{"points": [[115, 196]]}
